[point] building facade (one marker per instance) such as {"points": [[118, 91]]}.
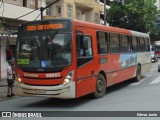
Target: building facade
{"points": [[157, 4], [84, 10]]}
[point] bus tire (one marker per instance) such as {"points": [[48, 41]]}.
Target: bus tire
{"points": [[100, 87], [138, 74]]}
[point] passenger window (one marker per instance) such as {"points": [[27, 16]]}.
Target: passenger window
{"points": [[114, 43], [147, 44], [126, 46], [134, 44], [102, 43], [142, 45]]}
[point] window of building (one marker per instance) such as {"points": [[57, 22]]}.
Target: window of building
{"points": [[58, 10], [114, 43], [102, 43], [24, 3], [70, 11], [32, 1], [49, 10], [96, 0]]}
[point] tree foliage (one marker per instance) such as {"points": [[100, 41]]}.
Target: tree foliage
{"points": [[138, 15]]}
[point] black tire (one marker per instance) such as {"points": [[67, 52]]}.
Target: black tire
{"points": [[100, 87], [158, 70], [138, 74]]}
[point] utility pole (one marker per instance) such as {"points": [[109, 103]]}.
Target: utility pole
{"points": [[43, 8], [104, 12]]}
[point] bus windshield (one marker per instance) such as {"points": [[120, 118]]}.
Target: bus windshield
{"points": [[157, 47], [44, 50]]}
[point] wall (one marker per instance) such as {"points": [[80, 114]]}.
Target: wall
{"points": [[10, 11], [15, 2], [158, 3], [3, 63]]}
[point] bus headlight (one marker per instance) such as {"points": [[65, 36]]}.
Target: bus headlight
{"points": [[17, 78], [69, 77]]}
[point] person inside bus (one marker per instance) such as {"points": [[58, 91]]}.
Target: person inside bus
{"points": [[129, 48]]}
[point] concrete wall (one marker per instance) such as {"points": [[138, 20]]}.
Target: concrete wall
{"points": [[3, 58], [15, 2], [13, 11], [157, 4]]}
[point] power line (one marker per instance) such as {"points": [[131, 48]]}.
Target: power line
{"points": [[41, 10], [37, 17], [27, 13]]}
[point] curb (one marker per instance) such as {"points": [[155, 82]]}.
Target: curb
{"points": [[3, 85]]}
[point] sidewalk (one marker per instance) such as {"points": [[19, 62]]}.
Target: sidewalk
{"points": [[3, 90]]}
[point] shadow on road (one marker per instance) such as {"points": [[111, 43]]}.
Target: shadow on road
{"points": [[119, 86], [60, 103], [71, 103]]}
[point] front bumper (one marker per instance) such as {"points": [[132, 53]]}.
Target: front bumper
{"points": [[59, 91]]}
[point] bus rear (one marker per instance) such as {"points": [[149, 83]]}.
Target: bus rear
{"points": [[44, 59], [156, 47]]}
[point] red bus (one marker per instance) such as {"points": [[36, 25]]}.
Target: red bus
{"points": [[64, 58], [156, 48]]}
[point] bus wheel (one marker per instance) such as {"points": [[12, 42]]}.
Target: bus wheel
{"points": [[138, 74], [100, 87]]}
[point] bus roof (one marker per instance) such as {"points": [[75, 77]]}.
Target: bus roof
{"points": [[93, 25], [102, 27]]}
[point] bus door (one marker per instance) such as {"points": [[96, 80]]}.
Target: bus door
{"points": [[85, 65]]}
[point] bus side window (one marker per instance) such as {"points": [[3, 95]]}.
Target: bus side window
{"points": [[84, 49], [79, 42], [147, 44], [134, 44]]}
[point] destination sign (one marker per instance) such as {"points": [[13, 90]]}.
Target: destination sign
{"points": [[44, 27]]}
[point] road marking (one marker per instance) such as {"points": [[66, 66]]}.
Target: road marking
{"points": [[154, 69], [157, 80], [137, 83]]}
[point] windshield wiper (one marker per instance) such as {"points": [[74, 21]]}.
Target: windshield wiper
{"points": [[54, 34]]}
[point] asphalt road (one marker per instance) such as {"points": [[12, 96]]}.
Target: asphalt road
{"points": [[127, 96]]}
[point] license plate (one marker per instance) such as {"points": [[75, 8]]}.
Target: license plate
{"points": [[40, 91]]}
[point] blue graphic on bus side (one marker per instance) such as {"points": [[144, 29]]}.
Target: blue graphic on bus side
{"points": [[127, 60], [43, 64]]}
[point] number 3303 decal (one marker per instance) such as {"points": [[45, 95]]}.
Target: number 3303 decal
{"points": [[23, 61]]}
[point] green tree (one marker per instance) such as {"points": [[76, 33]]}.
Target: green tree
{"points": [[138, 15]]}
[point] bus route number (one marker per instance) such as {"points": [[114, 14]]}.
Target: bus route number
{"points": [[23, 61]]}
